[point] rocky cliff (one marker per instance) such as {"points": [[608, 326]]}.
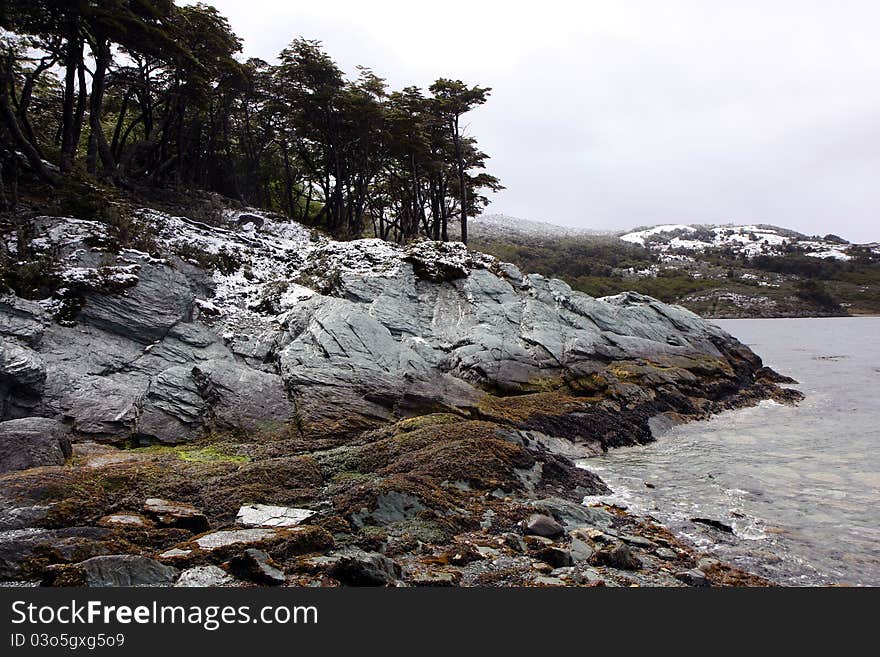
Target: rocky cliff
{"points": [[414, 401]]}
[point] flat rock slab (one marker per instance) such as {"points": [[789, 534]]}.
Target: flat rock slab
{"points": [[176, 514], [265, 515], [227, 537], [202, 576], [124, 520]]}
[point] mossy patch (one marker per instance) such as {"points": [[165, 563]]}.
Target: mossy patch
{"points": [[206, 454]]}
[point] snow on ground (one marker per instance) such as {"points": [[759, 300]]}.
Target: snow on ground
{"points": [[835, 254], [501, 225], [638, 237], [749, 240]]}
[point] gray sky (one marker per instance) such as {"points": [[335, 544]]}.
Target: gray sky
{"points": [[614, 114]]}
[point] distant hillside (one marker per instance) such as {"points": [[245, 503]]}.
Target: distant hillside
{"points": [[502, 225], [714, 270]]}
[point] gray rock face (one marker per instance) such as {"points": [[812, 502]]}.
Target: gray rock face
{"points": [[159, 350], [146, 312], [31, 442], [22, 377]]}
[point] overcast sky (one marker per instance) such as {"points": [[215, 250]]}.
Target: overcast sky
{"points": [[619, 113]]}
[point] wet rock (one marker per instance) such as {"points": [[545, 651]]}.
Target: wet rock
{"points": [[175, 553], [537, 542], [265, 515], [118, 570], [693, 577], [618, 556], [360, 568], [205, 576], [257, 566], [714, 524], [586, 576], [176, 514], [32, 442], [539, 524]]}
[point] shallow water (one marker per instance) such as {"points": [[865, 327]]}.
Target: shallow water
{"points": [[800, 486]]}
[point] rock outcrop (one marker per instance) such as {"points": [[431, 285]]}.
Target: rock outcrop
{"points": [[399, 402], [165, 350]]}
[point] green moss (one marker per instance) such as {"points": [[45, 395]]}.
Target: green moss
{"points": [[207, 454], [430, 420]]}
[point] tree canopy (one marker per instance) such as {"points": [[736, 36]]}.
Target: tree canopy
{"points": [[148, 93]]}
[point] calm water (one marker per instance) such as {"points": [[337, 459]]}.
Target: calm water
{"points": [[800, 486]]}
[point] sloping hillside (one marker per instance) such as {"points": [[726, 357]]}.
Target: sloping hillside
{"points": [[716, 271]]}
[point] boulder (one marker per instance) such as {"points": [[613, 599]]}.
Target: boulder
{"points": [[32, 442], [227, 537], [543, 525]]}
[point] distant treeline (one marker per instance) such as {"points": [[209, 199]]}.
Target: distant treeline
{"points": [[146, 93]]}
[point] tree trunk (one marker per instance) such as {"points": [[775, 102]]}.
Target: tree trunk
{"points": [[72, 59], [462, 189], [98, 146]]}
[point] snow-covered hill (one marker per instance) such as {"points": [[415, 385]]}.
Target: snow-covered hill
{"points": [[749, 240], [501, 226]]}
